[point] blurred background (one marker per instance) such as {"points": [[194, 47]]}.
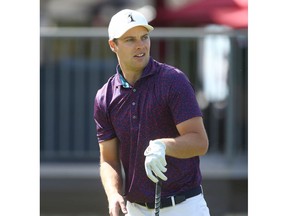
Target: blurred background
{"points": [[206, 39]]}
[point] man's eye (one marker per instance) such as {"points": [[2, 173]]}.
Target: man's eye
{"points": [[145, 37]]}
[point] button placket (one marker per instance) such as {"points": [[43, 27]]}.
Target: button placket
{"points": [[134, 110]]}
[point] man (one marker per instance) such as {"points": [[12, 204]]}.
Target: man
{"points": [[148, 122]]}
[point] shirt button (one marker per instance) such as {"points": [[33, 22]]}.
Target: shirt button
{"points": [[134, 90], [133, 103], [134, 117]]}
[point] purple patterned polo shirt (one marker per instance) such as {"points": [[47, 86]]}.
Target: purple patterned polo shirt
{"points": [[162, 98]]}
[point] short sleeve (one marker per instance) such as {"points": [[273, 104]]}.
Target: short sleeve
{"points": [[182, 100], [104, 127]]}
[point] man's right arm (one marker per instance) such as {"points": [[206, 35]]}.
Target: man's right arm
{"points": [[111, 177]]}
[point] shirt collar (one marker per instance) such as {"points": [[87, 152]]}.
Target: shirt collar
{"points": [[121, 80], [148, 70]]}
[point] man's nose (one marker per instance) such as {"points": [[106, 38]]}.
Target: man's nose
{"points": [[139, 43]]}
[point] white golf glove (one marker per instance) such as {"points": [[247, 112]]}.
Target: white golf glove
{"points": [[155, 160]]}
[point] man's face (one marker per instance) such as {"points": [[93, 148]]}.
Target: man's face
{"points": [[133, 49]]}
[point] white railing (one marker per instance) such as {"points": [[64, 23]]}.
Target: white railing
{"points": [[158, 32]]}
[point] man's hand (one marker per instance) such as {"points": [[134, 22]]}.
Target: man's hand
{"points": [[155, 160], [117, 202]]}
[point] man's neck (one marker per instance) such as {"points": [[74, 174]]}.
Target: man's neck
{"points": [[131, 76]]}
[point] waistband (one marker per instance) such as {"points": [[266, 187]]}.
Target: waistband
{"points": [[174, 200]]}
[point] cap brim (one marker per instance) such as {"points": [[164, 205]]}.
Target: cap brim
{"points": [[148, 27]]}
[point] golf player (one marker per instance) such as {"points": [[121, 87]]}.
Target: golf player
{"points": [[149, 127]]}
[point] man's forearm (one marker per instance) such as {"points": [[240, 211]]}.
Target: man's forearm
{"points": [[186, 146], [111, 178]]}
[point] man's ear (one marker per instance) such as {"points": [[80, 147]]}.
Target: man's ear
{"points": [[112, 45]]}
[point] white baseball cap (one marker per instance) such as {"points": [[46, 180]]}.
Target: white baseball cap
{"points": [[124, 20]]}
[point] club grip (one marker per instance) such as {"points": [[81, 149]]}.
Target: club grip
{"points": [[158, 197]]}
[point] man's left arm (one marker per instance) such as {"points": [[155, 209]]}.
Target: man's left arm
{"points": [[193, 140]]}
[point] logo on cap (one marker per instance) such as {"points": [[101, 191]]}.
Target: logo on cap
{"points": [[131, 18]]}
